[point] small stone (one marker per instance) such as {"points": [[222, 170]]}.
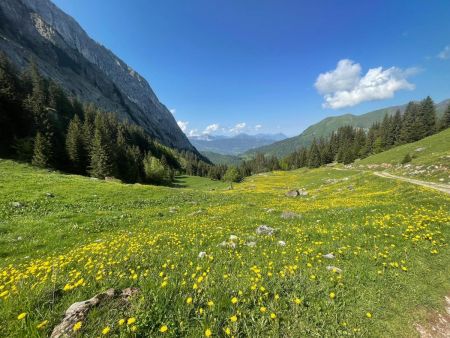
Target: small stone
{"points": [[281, 243], [251, 244], [290, 215], [292, 193], [233, 238], [334, 269], [202, 254], [329, 256], [49, 195], [16, 204], [265, 230]]}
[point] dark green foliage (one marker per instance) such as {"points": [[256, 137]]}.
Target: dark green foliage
{"points": [[155, 171], [406, 159], [445, 121], [314, 160], [75, 145], [232, 175], [42, 151], [101, 165]]}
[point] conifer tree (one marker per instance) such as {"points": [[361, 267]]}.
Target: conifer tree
{"points": [[75, 145], [42, 153], [445, 121], [100, 162], [314, 160], [427, 117]]}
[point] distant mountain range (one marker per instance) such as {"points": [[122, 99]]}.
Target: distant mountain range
{"points": [[327, 126], [233, 145]]}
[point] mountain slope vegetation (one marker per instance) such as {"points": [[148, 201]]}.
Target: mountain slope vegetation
{"points": [[325, 127]]}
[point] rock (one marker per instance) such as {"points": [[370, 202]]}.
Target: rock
{"points": [[173, 210], [420, 149], [78, 311], [233, 238], [292, 193], [303, 192], [329, 256], [290, 215], [281, 243], [265, 230], [202, 254], [350, 187], [334, 269], [16, 204], [49, 195], [251, 244], [228, 245]]}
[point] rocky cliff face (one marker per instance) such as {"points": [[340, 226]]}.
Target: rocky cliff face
{"points": [[37, 29]]}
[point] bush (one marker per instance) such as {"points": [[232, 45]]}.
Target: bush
{"points": [[154, 170], [406, 159]]}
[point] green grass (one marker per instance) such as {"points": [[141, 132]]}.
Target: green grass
{"points": [[93, 235], [430, 158]]}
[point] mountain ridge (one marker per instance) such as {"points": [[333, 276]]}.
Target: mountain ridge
{"points": [[38, 30], [329, 124]]}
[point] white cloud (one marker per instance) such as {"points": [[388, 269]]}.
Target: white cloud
{"points": [[183, 125], [445, 53], [211, 128], [173, 111], [193, 132], [345, 87], [258, 127], [238, 128]]}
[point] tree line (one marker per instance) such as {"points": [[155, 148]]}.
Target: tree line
{"points": [[349, 143], [40, 124]]}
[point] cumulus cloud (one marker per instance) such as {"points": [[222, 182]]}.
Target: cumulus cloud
{"points": [[258, 127], [345, 87], [238, 128], [173, 110], [211, 128], [444, 54], [183, 125]]}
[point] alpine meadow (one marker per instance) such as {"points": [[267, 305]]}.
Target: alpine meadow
{"points": [[284, 192]]}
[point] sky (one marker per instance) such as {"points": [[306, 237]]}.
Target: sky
{"points": [[260, 66]]}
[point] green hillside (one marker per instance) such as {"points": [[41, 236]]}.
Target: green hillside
{"points": [[430, 158], [330, 124], [199, 267], [222, 159]]}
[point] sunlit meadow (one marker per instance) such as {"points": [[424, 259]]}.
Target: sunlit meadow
{"points": [[200, 267]]}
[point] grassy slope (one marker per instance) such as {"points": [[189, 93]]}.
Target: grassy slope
{"points": [[107, 234], [434, 151], [222, 159], [328, 125]]}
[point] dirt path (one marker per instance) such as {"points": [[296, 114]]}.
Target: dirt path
{"points": [[436, 186]]}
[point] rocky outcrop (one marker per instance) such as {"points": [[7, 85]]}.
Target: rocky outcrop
{"points": [[37, 29]]}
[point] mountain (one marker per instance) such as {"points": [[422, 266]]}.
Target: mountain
{"points": [[38, 30], [327, 126], [233, 145]]}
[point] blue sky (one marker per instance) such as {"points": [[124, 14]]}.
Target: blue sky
{"points": [[256, 65]]}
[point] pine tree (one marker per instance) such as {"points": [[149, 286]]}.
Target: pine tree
{"points": [[445, 121], [427, 117], [396, 127], [100, 162], [411, 126], [314, 160], [42, 151], [75, 145]]}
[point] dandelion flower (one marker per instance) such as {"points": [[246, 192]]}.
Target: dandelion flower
{"points": [[233, 318], [332, 295], [273, 315], [189, 300], [22, 316], [134, 328], [77, 326], [208, 333], [234, 300], [131, 320], [263, 309], [368, 315], [121, 322], [42, 324], [106, 330], [163, 329]]}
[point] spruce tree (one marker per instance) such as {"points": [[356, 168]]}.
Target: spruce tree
{"points": [[445, 121], [100, 162], [42, 153], [427, 117], [411, 124], [314, 160], [75, 145]]}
